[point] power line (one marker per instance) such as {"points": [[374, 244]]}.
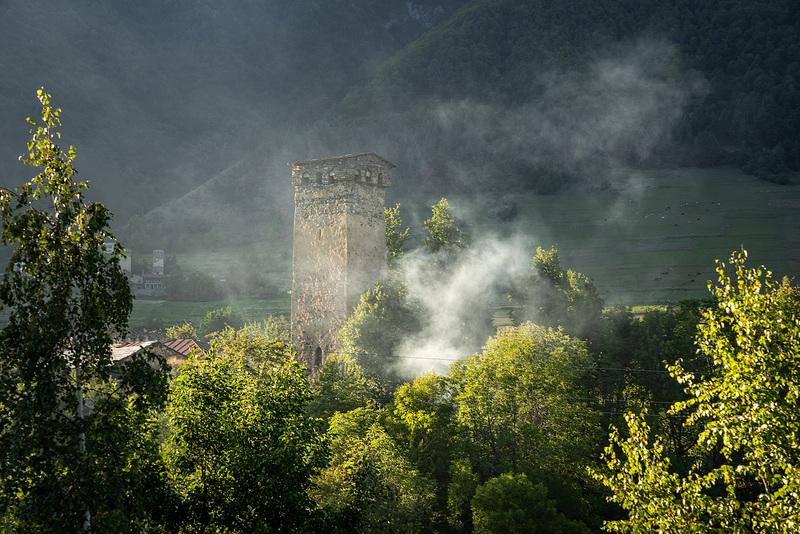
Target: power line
{"points": [[624, 369]]}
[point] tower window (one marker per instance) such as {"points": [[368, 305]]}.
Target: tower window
{"points": [[318, 357]]}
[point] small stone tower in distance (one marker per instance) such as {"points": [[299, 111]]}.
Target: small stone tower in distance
{"points": [[339, 246]]}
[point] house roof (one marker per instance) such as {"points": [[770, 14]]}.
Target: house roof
{"points": [[123, 350], [187, 346]]}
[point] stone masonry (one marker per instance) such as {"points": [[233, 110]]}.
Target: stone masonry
{"points": [[339, 246]]}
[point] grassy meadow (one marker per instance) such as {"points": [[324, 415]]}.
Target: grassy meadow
{"points": [[650, 237], [156, 314]]}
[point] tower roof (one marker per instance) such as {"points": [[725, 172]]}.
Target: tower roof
{"points": [[339, 159]]}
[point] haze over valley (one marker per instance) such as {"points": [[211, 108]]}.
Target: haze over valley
{"points": [[184, 117]]}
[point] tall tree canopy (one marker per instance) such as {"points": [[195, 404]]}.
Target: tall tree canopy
{"points": [[73, 447], [443, 233], [242, 450], [746, 417], [553, 296]]}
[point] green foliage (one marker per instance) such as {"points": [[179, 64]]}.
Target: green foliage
{"points": [[460, 491], [524, 403], [251, 347], [341, 386], [376, 328], [426, 425], [218, 320], [368, 473], [768, 165], [274, 327], [443, 234], [75, 447], [395, 239], [242, 450], [746, 412], [634, 352], [181, 331], [747, 52], [513, 504], [557, 297]]}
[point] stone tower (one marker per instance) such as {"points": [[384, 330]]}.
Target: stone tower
{"points": [[158, 261], [339, 246]]}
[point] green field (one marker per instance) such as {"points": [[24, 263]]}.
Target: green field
{"points": [[654, 237], [156, 314], [650, 239]]}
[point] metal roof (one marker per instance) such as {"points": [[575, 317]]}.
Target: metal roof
{"points": [[186, 346]]}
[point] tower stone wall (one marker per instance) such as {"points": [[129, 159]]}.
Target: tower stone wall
{"points": [[339, 249], [158, 261]]}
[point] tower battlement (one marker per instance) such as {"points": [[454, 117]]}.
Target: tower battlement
{"points": [[368, 168]]}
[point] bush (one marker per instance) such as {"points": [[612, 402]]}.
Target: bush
{"points": [[218, 320]]}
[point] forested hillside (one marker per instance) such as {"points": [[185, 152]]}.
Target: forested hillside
{"points": [[162, 96], [211, 100], [730, 72]]}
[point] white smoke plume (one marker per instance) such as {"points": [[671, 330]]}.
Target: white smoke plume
{"points": [[622, 108], [455, 300]]}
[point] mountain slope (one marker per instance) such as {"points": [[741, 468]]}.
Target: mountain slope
{"points": [[507, 53], [160, 96], [165, 98]]}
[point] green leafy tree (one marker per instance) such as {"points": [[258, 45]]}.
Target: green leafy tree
{"points": [[395, 239], [341, 386], [274, 327], [242, 450], [513, 504], [460, 491], [426, 424], [746, 478], [181, 331], [633, 353], [553, 296], [74, 447], [218, 320], [524, 403], [443, 233], [376, 328], [248, 344], [369, 474]]}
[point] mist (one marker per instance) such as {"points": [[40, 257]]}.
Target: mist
{"points": [[600, 124], [185, 117], [620, 110], [456, 298]]}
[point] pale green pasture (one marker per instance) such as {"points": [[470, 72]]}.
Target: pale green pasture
{"points": [[156, 314], [655, 235]]}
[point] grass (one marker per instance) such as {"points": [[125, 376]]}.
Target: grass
{"points": [[652, 238], [156, 314], [655, 237]]}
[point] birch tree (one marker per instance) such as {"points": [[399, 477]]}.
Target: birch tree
{"points": [[74, 447]]}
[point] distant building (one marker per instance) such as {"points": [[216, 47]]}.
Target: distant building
{"points": [[147, 284], [122, 353], [158, 262], [153, 283], [339, 249]]}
